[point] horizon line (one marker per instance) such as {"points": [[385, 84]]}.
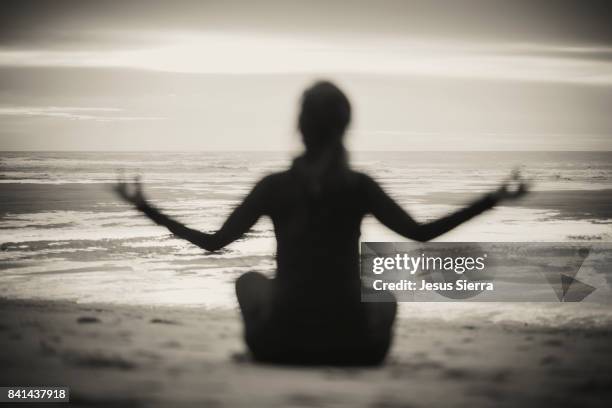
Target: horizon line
{"points": [[293, 151]]}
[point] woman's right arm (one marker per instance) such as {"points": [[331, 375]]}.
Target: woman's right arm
{"points": [[394, 217], [239, 221], [201, 239]]}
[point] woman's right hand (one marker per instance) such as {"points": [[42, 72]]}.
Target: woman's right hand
{"points": [[513, 188]]}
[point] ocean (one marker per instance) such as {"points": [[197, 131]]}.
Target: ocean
{"points": [[65, 236]]}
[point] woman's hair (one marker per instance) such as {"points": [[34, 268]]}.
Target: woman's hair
{"points": [[324, 116]]}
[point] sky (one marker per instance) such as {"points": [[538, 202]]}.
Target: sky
{"points": [[227, 75]]}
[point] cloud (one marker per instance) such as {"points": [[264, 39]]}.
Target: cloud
{"points": [[223, 53], [73, 113], [556, 40], [84, 24]]}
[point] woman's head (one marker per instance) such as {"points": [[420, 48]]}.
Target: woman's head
{"points": [[324, 116]]}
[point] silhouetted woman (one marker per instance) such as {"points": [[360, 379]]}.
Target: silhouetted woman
{"points": [[311, 312]]}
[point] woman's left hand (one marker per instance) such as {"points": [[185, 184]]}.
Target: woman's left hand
{"points": [[130, 192]]}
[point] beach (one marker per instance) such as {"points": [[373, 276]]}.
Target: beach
{"points": [[137, 356]]}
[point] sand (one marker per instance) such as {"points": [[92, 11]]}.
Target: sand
{"points": [[132, 356]]}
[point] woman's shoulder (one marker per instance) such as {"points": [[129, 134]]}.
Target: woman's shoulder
{"points": [[274, 180], [287, 179], [364, 179]]}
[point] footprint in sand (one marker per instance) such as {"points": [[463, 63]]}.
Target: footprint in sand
{"points": [[97, 360], [15, 336], [553, 343], [457, 374], [171, 344], [88, 320], [307, 400], [548, 360], [242, 357], [163, 321], [47, 349]]}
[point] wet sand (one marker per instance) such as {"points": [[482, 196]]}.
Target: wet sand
{"points": [[567, 204], [19, 198], [131, 356], [32, 198]]}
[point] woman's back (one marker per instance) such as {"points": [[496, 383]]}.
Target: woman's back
{"points": [[317, 233]]}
